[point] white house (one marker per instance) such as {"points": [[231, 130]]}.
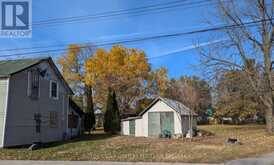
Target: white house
{"points": [[161, 115]]}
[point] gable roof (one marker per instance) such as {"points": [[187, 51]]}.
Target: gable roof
{"points": [[175, 105], [131, 118], [75, 107], [10, 67]]}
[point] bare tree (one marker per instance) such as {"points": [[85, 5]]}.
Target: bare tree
{"points": [[191, 91], [190, 94], [249, 39]]}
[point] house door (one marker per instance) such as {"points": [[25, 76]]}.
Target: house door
{"points": [[159, 122]]}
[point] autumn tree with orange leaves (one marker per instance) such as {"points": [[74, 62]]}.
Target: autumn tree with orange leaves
{"points": [[124, 70]]}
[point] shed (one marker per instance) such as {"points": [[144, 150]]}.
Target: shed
{"points": [[161, 115]]}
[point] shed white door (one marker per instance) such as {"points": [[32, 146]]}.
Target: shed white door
{"points": [[154, 128], [159, 122]]}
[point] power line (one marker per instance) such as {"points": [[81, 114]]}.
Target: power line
{"points": [[76, 17], [139, 10], [217, 28], [146, 38], [109, 12]]}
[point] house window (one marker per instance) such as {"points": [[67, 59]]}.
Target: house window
{"points": [[53, 89], [53, 119], [33, 84]]}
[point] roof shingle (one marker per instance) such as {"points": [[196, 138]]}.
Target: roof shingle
{"points": [[9, 67], [179, 107], [176, 105]]}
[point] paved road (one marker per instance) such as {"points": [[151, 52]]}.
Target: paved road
{"points": [[264, 160], [88, 163]]}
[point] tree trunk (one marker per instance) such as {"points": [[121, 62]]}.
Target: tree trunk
{"points": [[268, 93], [88, 107], [269, 115], [89, 98], [268, 102], [266, 48], [272, 112]]}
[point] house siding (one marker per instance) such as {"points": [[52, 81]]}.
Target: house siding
{"points": [[73, 132], [3, 106], [20, 125]]}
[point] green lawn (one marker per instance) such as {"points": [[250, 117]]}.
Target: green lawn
{"points": [[100, 146]]}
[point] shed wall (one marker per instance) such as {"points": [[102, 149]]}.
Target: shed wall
{"points": [[139, 128], [185, 123], [181, 123], [160, 106], [125, 127]]}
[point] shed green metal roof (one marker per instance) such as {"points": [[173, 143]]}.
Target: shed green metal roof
{"points": [[8, 67]]}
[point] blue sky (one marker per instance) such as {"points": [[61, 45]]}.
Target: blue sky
{"points": [[176, 53]]}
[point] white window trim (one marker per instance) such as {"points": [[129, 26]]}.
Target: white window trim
{"points": [[57, 90], [5, 112]]}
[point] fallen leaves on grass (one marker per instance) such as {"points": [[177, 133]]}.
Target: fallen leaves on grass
{"points": [[210, 149]]}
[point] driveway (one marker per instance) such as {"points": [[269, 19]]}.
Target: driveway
{"points": [[264, 160]]}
